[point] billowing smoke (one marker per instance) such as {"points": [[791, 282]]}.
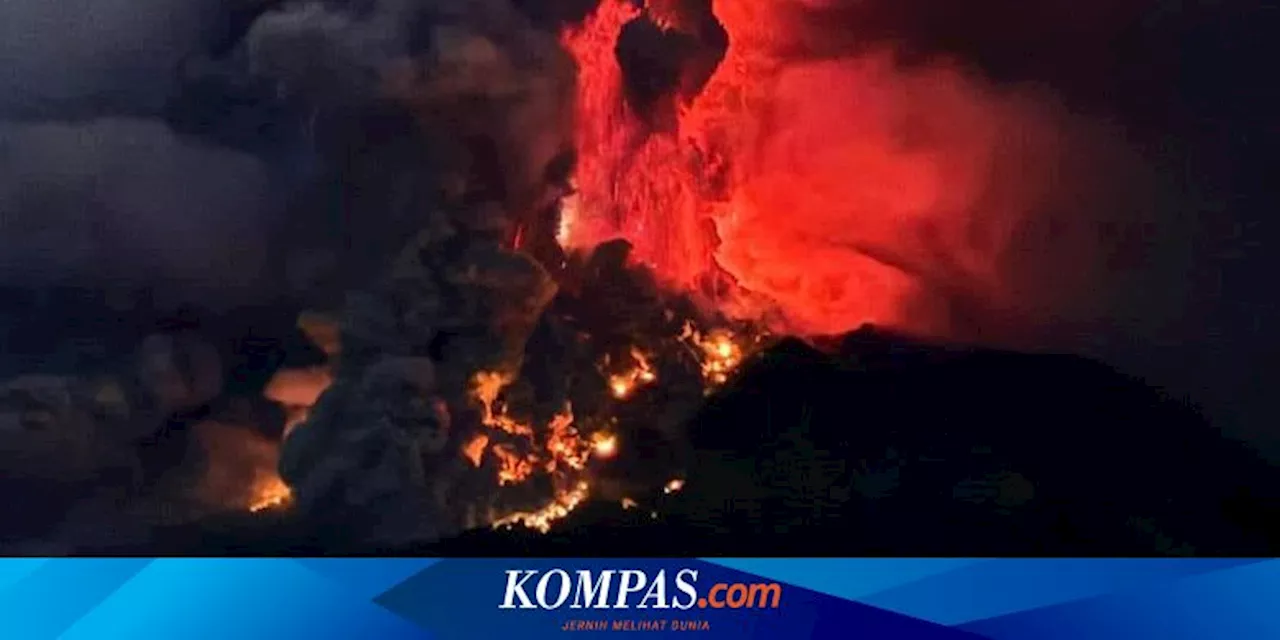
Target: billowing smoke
{"points": [[107, 212], [289, 153], [124, 202], [98, 190], [484, 98], [81, 59]]}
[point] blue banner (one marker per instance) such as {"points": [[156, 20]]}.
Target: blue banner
{"points": [[448, 599]]}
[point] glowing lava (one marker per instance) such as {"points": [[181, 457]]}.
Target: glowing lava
{"points": [[641, 373], [562, 453], [542, 519], [718, 351], [831, 192], [605, 445], [560, 450], [269, 493], [474, 450], [513, 467], [486, 388], [568, 449]]}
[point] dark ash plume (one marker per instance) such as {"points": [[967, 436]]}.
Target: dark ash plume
{"points": [[481, 96]]}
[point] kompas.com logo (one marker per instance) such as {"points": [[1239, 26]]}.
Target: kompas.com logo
{"points": [[619, 589]]}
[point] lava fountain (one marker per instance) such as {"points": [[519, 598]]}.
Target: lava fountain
{"points": [[811, 194]]}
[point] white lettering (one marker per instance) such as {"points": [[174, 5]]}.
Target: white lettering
{"points": [[632, 582], [541, 592], [686, 587], [588, 590], [657, 591], [515, 589]]}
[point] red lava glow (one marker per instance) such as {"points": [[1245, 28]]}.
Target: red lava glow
{"points": [[812, 195]]}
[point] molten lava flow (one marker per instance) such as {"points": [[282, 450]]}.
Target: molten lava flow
{"points": [[268, 493], [486, 388], [542, 519], [514, 467], [830, 192], [474, 450], [719, 352], [567, 448], [641, 373], [560, 450], [562, 453], [629, 185]]}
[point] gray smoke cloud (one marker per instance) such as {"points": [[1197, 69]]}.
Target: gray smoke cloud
{"points": [[461, 68], [120, 201], [476, 101], [159, 153], [83, 57], [324, 55], [96, 190]]}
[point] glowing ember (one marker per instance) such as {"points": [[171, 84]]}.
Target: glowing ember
{"points": [[514, 468], [565, 445], [474, 450], [562, 453], [624, 384], [620, 388], [673, 486], [605, 446], [270, 493], [487, 387], [542, 519], [718, 351]]}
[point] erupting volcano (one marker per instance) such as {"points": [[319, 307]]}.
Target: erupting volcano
{"points": [[731, 181], [747, 272]]}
